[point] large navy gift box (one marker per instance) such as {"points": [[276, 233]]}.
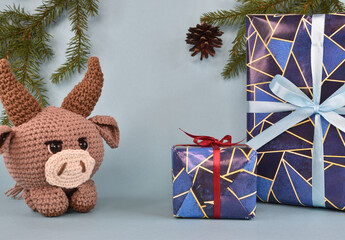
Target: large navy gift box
{"points": [[281, 44]]}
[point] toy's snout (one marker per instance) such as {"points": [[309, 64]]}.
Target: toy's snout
{"points": [[69, 168]]}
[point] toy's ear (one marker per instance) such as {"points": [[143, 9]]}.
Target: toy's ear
{"points": [[107, 127], [6, 134]]}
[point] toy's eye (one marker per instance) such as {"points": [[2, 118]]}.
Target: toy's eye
{"points": [[83, 143], [54, 146]]}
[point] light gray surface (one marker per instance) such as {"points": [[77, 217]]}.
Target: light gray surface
{"points": [[123, 218], [153, 87]]}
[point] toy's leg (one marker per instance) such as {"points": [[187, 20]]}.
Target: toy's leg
{"points": [[28, 200], [85, 198], [49, 201]]}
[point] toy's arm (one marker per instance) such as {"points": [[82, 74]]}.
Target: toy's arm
{"points": [[85, 198], [49, 201]]}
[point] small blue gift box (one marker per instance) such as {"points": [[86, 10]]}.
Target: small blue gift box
{"points": [[193, 182]]}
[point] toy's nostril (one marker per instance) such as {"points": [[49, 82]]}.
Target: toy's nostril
{"points": [[62, 168], [83, 168]]}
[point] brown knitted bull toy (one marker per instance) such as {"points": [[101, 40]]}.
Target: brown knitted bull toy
{"points": [[52, 153]]}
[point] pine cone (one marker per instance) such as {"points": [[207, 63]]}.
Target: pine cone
{"points": [[205, 38]]}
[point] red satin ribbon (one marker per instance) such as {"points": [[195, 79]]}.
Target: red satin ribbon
{"points": [[216, 182], [206, 141]]}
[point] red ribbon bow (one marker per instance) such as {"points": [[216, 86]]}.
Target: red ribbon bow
{"points": [[206, 141]]}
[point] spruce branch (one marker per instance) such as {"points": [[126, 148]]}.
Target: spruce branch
{"points": [[237, 60], [78, 51], [91, 7], [236, 17], [338, 5], [4, 120], [24, 41], [235, 65], [324, 5]]}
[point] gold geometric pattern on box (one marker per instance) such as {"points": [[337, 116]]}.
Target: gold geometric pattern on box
{"points": [[280, 44], [193, 182]]}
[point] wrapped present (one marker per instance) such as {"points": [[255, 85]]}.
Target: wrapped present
{"points": [[214, 180], [296, 96]]}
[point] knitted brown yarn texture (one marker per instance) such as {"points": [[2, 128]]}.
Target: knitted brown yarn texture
{"points": [[26, 158], [112, 137], [84, 96], [19, 104], [52, 153], [49, 201], [52, 201], [85, 198]]}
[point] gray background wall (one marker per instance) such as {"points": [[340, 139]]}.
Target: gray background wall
{"points": [[152, 87]]}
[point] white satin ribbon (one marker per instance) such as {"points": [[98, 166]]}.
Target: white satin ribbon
{"points": [[303, 107]]}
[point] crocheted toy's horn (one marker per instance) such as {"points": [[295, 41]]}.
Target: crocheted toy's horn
{"points": [[84, 96], [19, 104]]}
